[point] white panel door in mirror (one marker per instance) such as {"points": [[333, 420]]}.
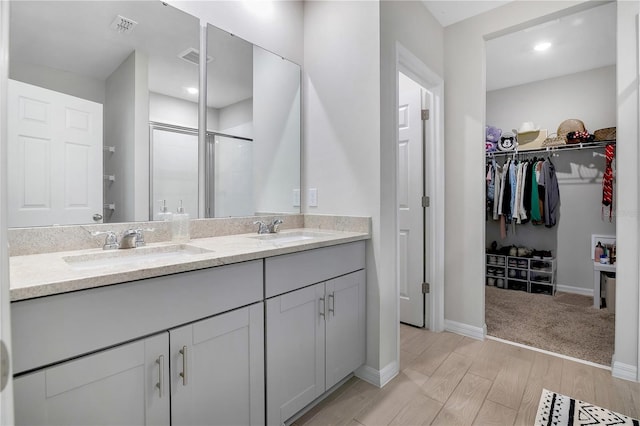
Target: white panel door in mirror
{"points": [[56, 143]]}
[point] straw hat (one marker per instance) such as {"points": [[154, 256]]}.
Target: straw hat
{"points": [[528, 127]]}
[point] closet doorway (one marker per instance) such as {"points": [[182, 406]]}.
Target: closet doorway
{"points": [[419, 192], [540, 288]]}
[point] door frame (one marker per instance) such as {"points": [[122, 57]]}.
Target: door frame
{"points": [[410, 65], [6, 395]]}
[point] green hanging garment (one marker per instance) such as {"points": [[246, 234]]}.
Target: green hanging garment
{"points": [[535, 205]]}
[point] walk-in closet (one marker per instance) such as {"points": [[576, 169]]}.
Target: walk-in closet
{"points": [[550, 185]]}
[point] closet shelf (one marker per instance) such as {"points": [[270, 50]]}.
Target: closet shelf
{"points": [[552, 149]]}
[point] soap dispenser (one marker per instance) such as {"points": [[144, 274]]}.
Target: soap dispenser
{"points": [[180, 226], [164, 214]]}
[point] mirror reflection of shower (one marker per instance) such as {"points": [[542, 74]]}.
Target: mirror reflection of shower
{"points": [[174, 172]]}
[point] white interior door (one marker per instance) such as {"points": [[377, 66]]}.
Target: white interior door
{"points": [[410, 210], [55, 157]]}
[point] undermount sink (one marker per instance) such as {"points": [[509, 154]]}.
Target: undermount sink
{"points": [[289, 237], [134, 256]]}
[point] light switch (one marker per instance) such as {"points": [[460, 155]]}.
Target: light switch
{"points": [[296, 197], [313, 197]]}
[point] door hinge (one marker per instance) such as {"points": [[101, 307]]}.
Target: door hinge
{"points": [[426, 288], [425, 201], [425, 114]]}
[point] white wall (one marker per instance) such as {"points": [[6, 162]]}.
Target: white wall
{"points": [[591, 97], [275, 25], [179, 112], [465, 109], [61, 81], [236, 119], [627, 343], [127, 128], [341, 153], [411, 24]]}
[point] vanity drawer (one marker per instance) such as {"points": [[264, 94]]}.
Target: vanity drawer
{"points": [[293, 271], [54, 328]]}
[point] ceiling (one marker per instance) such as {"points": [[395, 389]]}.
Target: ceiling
{"points": [[450, 12], [75, 36], [580, 42]]}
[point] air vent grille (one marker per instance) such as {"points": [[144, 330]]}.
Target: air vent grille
{"points": [[192, 56], [123, 25]]}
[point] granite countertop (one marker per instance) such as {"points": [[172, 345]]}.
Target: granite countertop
{"points": [[48, 274]]}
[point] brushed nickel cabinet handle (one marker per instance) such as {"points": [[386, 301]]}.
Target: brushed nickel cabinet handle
{"points": [[160, 384], [321, 306], [332, 303], [183, 352]]}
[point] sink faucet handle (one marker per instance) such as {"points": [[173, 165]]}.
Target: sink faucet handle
{"points": [[140, 236], [110, 241], [263, 228], [273, 228]]}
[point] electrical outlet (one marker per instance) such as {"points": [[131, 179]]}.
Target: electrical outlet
{"points": [[313, 197], [296, 197]]}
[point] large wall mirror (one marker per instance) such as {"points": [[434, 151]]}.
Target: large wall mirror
{"points": [[104, 117]]}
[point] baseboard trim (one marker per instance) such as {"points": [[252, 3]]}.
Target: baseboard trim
{"points": [[576, 290], [378, 378], [624, 371], [477, 333]]}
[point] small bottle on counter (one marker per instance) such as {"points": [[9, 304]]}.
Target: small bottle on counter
{"points": [[180, 226], [164, 214], [598, 252]]}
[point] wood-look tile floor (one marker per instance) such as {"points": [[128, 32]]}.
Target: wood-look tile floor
{"points": [[448, 379]]}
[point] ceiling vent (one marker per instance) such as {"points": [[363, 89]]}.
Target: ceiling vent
{"points": [[123, 25], [192, 56]]}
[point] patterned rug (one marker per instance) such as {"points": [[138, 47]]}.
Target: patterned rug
{"points": [[557, 409]]}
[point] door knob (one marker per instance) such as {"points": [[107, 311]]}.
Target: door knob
{"points": [[97, 217]]}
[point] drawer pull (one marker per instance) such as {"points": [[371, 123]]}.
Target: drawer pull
{"points": [[160, 384], [183, 352], [321, 306]]}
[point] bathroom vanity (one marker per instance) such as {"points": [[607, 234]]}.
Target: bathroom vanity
{"points": [[182, 339]]}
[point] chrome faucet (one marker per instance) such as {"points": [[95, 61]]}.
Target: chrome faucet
{"points": [[131, 238], [271, 228]]}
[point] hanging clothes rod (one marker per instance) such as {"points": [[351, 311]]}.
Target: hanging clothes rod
{"points": [[552, 149]]}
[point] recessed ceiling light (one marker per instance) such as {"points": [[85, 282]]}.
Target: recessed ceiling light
{"points": [[192, 90], [540, 47]]}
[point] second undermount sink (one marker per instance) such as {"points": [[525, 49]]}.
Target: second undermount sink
{"points": [[136, 256], [289, 237]]}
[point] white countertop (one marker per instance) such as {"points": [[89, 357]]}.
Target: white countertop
{"points": [[48, 274]]}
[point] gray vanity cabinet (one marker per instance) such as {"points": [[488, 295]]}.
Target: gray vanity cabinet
{"points": [[217, 370], [207, 345], [125, 385], [315, 334]]}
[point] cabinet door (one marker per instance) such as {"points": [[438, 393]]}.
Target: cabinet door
{"points": [[217, 370], [295, 351], [119, 386], [345, 342]]}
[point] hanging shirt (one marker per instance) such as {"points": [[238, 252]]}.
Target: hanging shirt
{"points": [[512, 182], [522, 214], [526, 198], [552, 195], [535, 204], [498, 187]]}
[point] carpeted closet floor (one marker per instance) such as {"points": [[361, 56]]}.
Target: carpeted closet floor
{"points": [[565, 323]]}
